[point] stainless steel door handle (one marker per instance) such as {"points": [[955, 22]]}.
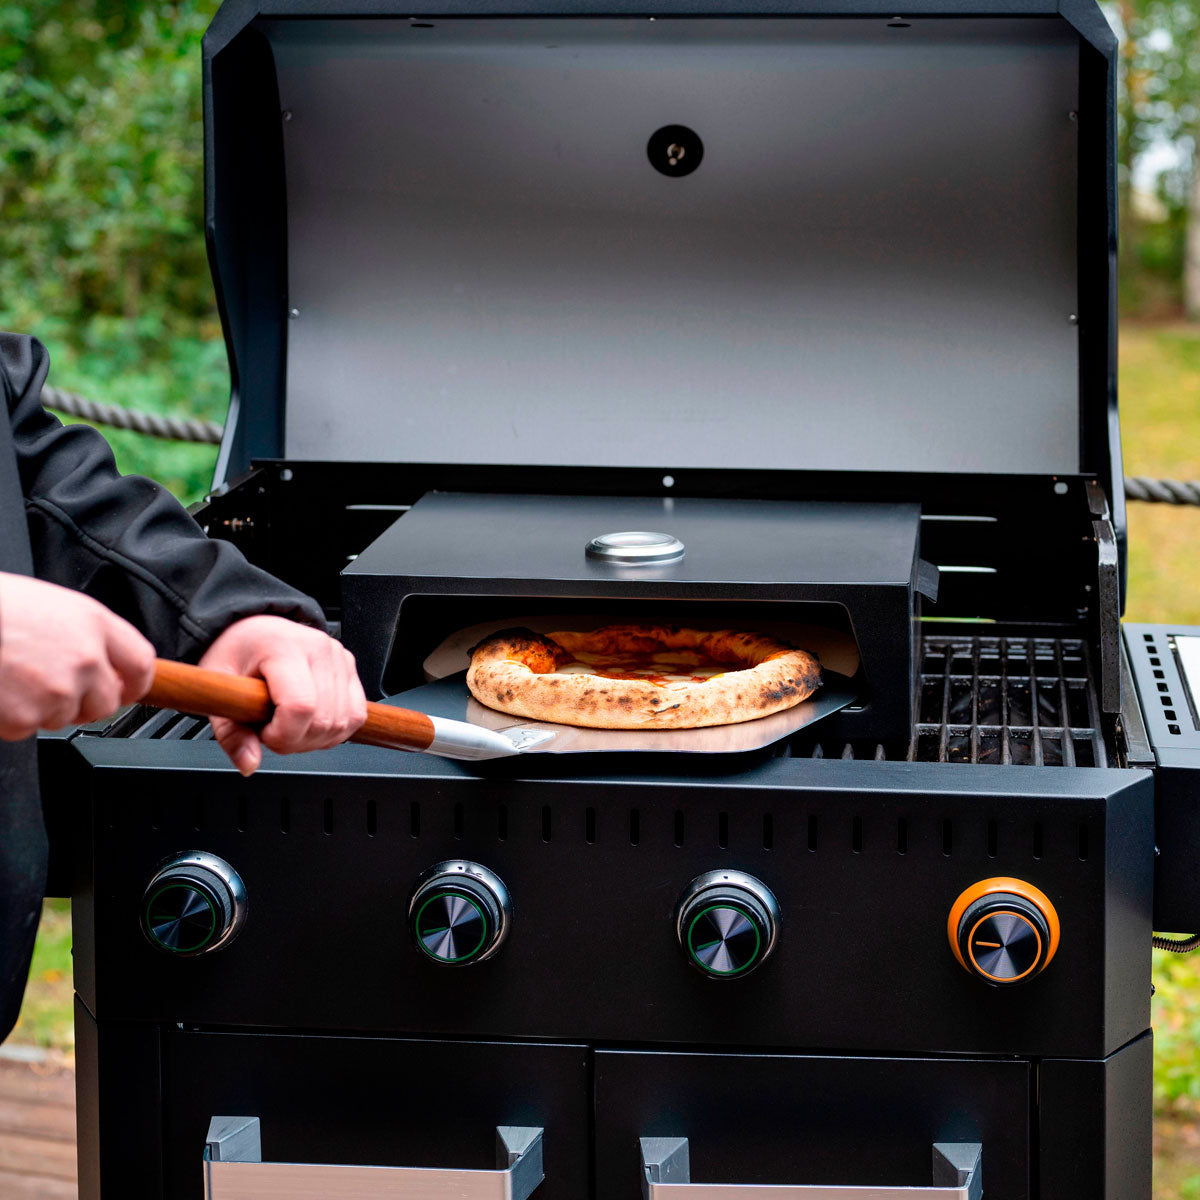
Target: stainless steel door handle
{"points": [[234, 1170], [667, 1175]]}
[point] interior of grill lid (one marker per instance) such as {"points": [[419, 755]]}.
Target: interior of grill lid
{"points": [[491, 259]]}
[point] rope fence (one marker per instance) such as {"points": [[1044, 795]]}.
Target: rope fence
{"points": [[172, 429], [208, 433]]}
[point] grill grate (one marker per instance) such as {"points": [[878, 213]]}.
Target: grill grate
{"points": [[161, 725], [998, 700]]}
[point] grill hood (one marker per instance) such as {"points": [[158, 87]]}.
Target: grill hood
{"points": [[444, 240]]}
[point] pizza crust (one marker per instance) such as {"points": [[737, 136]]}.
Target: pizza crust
{"points": [[513, 670]]}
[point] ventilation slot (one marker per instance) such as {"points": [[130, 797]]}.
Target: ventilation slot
{"points": [[243, 814], [856, 835], [993, 839], [947, 837], [460, 821], [768, 832], [198, 814], [285, 815], [327, 817], [414, 819], [502, 822], [547, 826], [635, 827], [372, 818], [723, 830], [1083, 843], [1039, 840], [902, 836], [589, 826], [156, 813], [812, 832], [678, 832]]}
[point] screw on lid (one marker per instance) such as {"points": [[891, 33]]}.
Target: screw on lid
{"points": [[635, 547]]}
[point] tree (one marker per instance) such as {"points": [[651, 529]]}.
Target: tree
{"points": [[1160, 74]]}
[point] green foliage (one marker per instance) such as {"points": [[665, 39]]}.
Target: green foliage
{"points": [[100, 198], [101, 213], [1176, 1028]]}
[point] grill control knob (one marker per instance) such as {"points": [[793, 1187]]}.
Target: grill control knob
{"points": [[459, 913], [195, 903], [1003, 930], [726, 923]]}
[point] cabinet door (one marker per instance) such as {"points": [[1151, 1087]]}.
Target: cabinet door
{"points": [[792, 1119], [376, 1102]]}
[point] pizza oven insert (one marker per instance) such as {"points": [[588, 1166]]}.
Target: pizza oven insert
{"points": [[858, 359]]}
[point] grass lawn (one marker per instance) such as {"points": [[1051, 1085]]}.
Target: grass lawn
{"points": [[1160, 405]]}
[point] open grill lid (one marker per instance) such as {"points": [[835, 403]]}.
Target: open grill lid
{"points": [[455, 239]]}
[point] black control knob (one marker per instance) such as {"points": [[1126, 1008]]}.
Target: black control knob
{"points": [[726, 923], [1003, 930], [459, 913], [195, 903]]}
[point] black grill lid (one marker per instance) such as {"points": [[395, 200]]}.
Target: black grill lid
{"points": [[893, 256]]}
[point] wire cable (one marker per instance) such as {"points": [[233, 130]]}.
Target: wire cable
{"points": [[1176, 945]]}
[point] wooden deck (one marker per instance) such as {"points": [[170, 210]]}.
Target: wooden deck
{"points": [[37, 1131]]}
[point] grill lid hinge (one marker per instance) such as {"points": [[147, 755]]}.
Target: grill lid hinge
{"points": [[1106, 600]]}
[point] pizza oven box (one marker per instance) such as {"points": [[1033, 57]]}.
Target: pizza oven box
{"points": [[455, 252], [458, 559]]}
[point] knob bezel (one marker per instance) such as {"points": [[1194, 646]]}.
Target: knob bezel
{"points": [[462, 877], [213, 878], [991, 897], [721, 889]]}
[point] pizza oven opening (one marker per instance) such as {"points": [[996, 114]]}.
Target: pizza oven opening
{"points": [[433, 631]]}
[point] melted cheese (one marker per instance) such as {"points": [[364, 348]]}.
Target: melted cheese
{"points": [[689, 668]]}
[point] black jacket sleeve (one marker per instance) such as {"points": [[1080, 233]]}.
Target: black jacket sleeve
{"points": [[123, 539]]}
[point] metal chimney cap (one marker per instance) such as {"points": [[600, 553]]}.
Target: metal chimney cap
{"points": [[635, 547]]}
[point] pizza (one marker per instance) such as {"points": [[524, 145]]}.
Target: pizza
{"points": [[640, 676]]}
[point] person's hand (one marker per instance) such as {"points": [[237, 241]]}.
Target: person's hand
{"points": [[64, 658], [312, 680]]}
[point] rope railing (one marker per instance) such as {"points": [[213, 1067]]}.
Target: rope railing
{"points": [[1161, 491], [172, 429], [191, 429]]}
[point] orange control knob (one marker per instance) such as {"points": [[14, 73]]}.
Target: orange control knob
{"points": [[1003, 930]]}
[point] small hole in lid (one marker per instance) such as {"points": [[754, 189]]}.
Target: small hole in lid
{"points": [[668, 481], [420, 25], [1060, 488]]}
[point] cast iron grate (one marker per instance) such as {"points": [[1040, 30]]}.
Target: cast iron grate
{"points": [[996, 700]]}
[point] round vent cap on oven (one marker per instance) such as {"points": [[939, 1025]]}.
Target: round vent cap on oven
{"points": [[195, 903], [635, 548], [459, 913], [727, 923]]}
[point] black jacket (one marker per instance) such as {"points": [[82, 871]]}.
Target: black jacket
{"points": [[67, 516]]}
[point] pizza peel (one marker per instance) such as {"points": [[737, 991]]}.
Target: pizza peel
{"points": [[449, 699]]}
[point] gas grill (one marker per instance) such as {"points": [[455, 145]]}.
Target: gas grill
{"points": [[825, 295]]}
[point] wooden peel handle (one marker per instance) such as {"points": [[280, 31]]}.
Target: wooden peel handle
{"points": [[216, 694]]}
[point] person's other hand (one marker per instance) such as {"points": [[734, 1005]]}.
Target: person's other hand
{"points": [[64, 658], [312, 680]]}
